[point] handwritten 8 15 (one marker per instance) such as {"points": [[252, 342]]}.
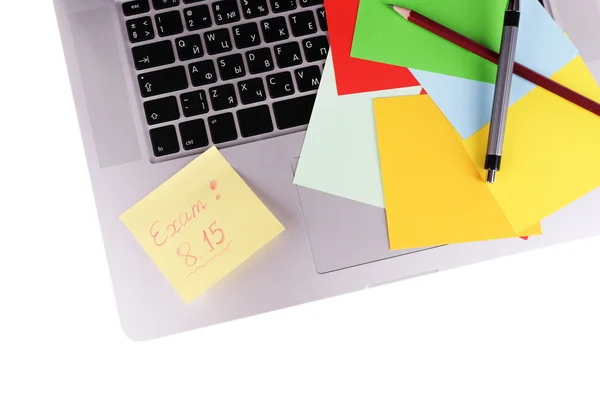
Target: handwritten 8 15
{"points": [[185, 248]]}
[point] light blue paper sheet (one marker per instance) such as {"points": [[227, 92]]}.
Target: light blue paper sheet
{"points": [[541, 46], [340, 155]]}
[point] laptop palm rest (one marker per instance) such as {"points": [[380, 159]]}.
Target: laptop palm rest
{"points": [[344, 233], [105, 89]]}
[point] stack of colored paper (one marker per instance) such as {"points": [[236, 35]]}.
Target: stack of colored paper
{"points": [[374, 139]]}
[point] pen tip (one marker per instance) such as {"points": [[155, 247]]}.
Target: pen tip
{"points": [[491, 176], [391, 5]]}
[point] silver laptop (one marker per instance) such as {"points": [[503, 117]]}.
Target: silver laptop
{"points": [[156, 82]]}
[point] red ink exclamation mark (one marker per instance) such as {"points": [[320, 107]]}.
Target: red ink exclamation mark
{"points": [[213, 186]]}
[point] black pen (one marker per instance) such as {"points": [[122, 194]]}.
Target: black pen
{"points": [[506, 65]]}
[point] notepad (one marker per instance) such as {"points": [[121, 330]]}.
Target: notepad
{"points": [[201, 224], [550, 153], [433, 192]]}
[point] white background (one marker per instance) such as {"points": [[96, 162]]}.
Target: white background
{"points": [[522, 327]]}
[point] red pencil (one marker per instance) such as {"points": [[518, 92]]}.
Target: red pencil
{"points": [[492, 56]]}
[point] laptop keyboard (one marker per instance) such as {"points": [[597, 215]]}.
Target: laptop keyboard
{"points": [[225, 72]]}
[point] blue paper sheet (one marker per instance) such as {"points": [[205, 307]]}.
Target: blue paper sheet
{"points": [[541, 46]]}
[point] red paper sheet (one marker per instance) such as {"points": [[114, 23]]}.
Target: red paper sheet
{"points": [[354, 75]]}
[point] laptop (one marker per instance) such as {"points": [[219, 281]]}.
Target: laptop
{"points": [[157, 82]]}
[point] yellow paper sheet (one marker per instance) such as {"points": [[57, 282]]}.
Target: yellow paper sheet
{"points": [[551, 153], [201, 224], [433, 193]]}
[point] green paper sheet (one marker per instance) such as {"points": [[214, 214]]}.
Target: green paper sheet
{"points": [[384, 36]]}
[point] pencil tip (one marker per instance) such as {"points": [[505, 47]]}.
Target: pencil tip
{"points": [[404, 12]]}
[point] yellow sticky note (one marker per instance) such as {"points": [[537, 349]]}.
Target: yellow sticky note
{"points": [[551, 153], [433, 192], [201, 224]]}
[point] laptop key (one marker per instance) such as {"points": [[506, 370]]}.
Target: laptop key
{"points": [[222, 128], [194, 103], [308, 78], [203, 73], [254, 8], [161, 110], [197, 17], [162, 81], [162, 4], [231, 67], [255, 121], [274, 29], [315, 48], [222, 97], [189, 47], [283, 5], [259, 60], [226, 11], [322, 19], [310, 3], [252, 91], [135, 7], [153, 55], [164, 140], [193, 134], [303, 23], [168, 23], [280, 85], [246, 35], [217, 41], [288, 54], [293, 112], [139, 29]]}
